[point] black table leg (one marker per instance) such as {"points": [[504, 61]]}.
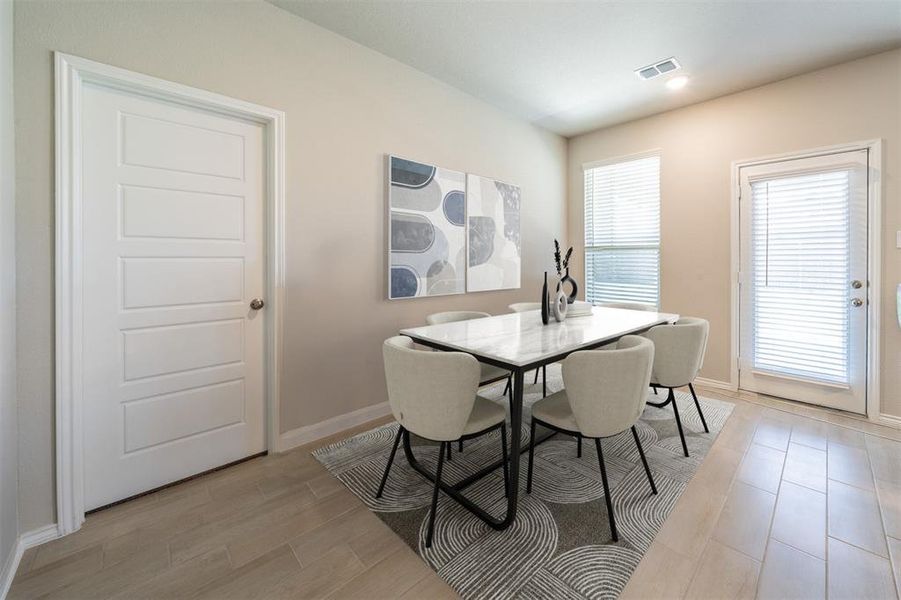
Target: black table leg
{"points": [[515, 442]]}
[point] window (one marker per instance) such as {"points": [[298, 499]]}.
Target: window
{"points": [[622, 231]]}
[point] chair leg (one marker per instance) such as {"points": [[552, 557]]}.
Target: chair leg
{"points": [[597, 443], [698, 405], [531, 457], [450, 456], [672, 398], [460, 445], [510, 390], [506, 387], [544, 381], [400, 432], [431, 530], [506, 460], [536, 377], [655, 389], [579, 453], [644, 460]]}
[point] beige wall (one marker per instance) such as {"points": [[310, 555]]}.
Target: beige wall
{"points": [[8, 427], [851, 102], [346, 108]]}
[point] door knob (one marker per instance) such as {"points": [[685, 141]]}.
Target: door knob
{"points": [[257, 303], [857, 284], [857, 302]]}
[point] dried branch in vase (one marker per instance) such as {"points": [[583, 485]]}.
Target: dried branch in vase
{"points": [[557, 258]]}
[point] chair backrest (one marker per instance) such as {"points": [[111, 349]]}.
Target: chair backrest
{"points": [[607, 389], [628, 305], [454, 315], [678, 350], [524, 306], [430, 393]]}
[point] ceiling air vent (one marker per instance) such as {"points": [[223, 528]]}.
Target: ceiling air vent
{"points": [[664, 66]]}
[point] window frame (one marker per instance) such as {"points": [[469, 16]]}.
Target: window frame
{"points": [[658, 153]]}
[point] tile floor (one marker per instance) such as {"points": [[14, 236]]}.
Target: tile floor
{"points": [[792, 502]]}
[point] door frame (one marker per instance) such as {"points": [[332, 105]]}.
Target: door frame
{"points": [[874, 259], [71, 75]]}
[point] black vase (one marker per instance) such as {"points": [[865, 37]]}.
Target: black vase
{"points": [[545, 309], [572, 295]]}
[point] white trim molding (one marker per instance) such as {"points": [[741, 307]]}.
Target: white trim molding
{"points": [[892, 421], [72, 74], [39, 536], [716, 384], [311, 433], [10, 566], [875, 168], [27, 540], [612, 160]]}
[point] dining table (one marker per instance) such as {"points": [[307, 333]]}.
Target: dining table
{"points": [[520, 342]]}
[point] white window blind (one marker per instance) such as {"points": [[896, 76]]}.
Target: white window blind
{"points": [[800, 246], [622, 231]]}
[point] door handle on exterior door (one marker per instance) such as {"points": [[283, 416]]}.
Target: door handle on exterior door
{"points": [[857, 284], [257, 303], [856, 302]]}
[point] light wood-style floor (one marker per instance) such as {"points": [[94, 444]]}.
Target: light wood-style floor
{"points": [[791, 501]]}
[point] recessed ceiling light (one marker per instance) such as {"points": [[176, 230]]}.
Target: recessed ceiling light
{"points": [[677, 83]]}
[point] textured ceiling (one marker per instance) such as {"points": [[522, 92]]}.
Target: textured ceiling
{"points": [[568, 66]]}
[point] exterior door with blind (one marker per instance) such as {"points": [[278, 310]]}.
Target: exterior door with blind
{"points": [[803, 279]]}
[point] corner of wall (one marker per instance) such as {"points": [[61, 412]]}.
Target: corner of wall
{"points": [[10, 540]]}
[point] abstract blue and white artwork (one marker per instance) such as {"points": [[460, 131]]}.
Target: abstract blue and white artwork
{"points": [[427, 223], [495, 248]]}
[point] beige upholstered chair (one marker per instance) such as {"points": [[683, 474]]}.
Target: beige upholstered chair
{"points": [[519, 307], [678, 356], [489, 373], [433, 395], [604, 395], [628, 305]]}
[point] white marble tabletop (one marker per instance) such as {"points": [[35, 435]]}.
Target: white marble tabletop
{"points": [[520, 339]]}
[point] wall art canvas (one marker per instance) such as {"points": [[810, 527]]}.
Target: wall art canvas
{"points": [[427, 230], [495, 248]]}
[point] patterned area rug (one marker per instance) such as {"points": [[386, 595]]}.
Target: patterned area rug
{"points": [[560, 544]]}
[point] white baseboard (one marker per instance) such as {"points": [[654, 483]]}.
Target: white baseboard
{"points": [[9, 568], [889, 420], [716, 384], [38, 536], [27, 540], [311, 433]]}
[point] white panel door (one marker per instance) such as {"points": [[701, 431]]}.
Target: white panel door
{"points": [[804, 290], [173, 255]]}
